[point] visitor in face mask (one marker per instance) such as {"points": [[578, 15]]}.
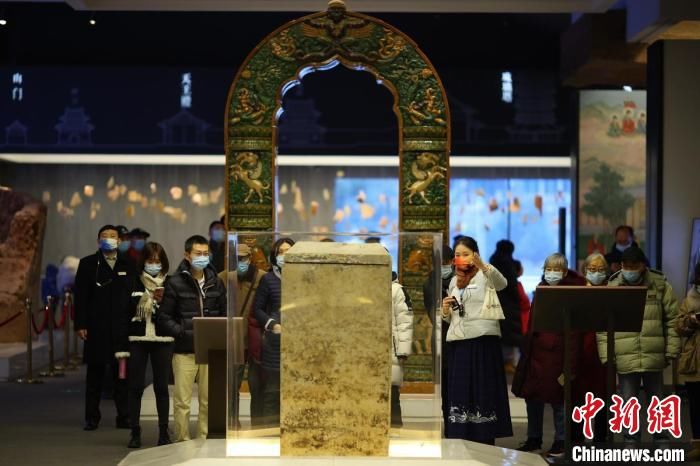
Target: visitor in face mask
{"points": [[541, 366], [193, 291], [624, 239], [147, 341], [266, 308], [595, 374], [124, 239], [137, 238], [688, 325], [102, 288], [642, 356], [246, 280]]}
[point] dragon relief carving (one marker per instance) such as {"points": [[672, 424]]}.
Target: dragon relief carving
{"points": [[425, 169], [249, 109], [248, 169], [427, 110], [283, 46]]}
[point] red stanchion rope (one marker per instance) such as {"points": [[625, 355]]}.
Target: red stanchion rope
{"points": [[64, 312], [7, 321], [38, 330]]}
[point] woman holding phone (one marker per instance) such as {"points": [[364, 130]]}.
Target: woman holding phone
{"points": [[146, 341], [477, 392]]}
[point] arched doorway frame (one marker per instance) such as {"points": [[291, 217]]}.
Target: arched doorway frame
{"points": [[359, 42]]}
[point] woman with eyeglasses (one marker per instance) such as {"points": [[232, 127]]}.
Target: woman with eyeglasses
{"points": [[476, 386], [146, 341], [593, 376]]}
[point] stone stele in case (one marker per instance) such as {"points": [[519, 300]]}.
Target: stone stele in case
{"points": [[336, 350]]}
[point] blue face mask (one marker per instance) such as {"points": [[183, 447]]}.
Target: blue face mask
{"points": [[108, 244], [243, 267], [218, 235], [153, 269], [139, 244], [553, 277], [631, 276], [124, 245], [446, 271], [280, 261], [200, 262], [596, 278]]}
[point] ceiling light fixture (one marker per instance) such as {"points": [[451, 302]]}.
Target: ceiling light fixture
{"points": [[92, 21], [627, 88]]}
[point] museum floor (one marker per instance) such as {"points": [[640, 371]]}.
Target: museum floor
{"points": [[42, 424]]}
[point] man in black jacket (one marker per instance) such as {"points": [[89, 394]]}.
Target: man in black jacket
{"points": [[194, 290], [102, 287]]}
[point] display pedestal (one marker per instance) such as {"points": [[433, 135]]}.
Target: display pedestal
{"points": [[445, 452], [562, 309], [210, 348]]}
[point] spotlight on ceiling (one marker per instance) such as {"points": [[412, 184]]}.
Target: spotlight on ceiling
{"points": [[92, 20], [627, 88], [3, 22]]}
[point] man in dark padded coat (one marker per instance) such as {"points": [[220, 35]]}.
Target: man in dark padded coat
{"points": [[194, 290]]}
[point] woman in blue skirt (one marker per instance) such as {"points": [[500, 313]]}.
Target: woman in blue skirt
{"points": [[477, 393]]}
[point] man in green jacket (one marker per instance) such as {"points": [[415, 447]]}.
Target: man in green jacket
{"points": [[642, 356]]}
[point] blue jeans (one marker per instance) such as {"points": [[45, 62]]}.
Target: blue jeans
{"points": [[630, 385], [535, 420]]}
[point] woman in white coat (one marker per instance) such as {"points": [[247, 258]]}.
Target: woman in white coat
{"points": [[402, 337], [477, 391]]}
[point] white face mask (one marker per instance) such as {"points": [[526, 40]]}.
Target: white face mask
{"points": [[553, 277], [446, 271]]}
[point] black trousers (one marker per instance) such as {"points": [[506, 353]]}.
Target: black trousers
{"points": [[256, 385], [271, 399], [693, 389], [93, 391], [396, 420], [161, 356]]}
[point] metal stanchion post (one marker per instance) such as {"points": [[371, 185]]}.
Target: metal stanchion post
{"points": [[75, 358], [67, 363], [29, 378], [52, 372]]}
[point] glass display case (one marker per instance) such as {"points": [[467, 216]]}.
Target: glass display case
{"points": [[333, 345]]}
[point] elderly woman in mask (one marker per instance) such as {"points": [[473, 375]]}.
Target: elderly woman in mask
{"points": [[539, 375]]}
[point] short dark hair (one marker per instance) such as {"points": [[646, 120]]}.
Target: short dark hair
{"points": [[629, 229], [155, 249], [214, 223], [373, 240], [196, 239], [467, 241], [633, 255], [107, 227], [276, 248]]}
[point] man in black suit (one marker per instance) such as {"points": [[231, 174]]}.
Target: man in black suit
{"points": [[102, 287]]}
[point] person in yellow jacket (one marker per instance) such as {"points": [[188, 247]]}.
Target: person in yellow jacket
{"points": [[642, 356]]}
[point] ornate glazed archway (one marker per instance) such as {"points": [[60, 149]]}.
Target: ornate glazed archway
{"points": [[360, 42]]}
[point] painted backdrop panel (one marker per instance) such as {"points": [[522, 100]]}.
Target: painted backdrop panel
{"points": [[612, 167]]}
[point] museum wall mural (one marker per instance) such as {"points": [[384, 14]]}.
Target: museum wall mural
{"points": [[611, 167]]}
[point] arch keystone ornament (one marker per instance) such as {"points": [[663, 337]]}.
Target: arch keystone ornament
{"points": [[317, 42]]}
